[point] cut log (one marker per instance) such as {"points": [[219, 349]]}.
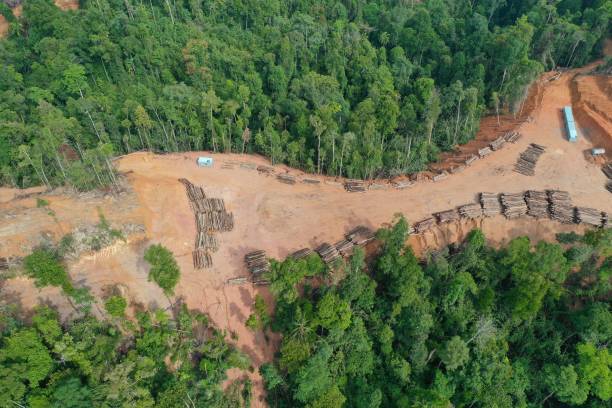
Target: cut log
{"points": [[286, 178], [473, 210], [447, 216], [485, 151], [355, 186], [302, 253], [360, 235], [424, 225], [490, 204]]}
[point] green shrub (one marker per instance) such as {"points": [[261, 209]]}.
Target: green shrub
{"points": [[164, 269], [115, 306]]}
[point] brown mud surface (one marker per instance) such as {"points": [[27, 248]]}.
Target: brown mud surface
{"points": [[281, 218]]}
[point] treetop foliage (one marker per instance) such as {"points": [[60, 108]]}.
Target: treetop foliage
{"points": [[526, 325], [358, 89]]}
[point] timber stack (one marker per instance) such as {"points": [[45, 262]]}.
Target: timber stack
{"points": [[286, 178], [424, 225], [609, 186], [194, 194], [561, 206], [360, 235], [345, 247], [210, 216], [473, 210], [447, 216], [237, 281], [207, 241], [514, 205], [527, 160], [589, 216], [267, 170], [302, 253], [355, 186], [485, 151], [257, 262], [490, 204], [311, 181], [457, 169], [537, 203], [401, 185], [201, 259], [512, 137], [607, 169], [215, 221], [440, 176], [328, 253], [471, 159], [497, 143]]}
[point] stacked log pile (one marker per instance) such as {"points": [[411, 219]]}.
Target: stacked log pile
{"points": [[497, 143], [471, 159], [265, 169], [514, 205], [424, 225], [440, 176], [401, 185], [345, 247], [360, 236], [194, 193], [473, 210], [512, 137], [206, 241], [311, 181], [7, 262], [302, 253], [248, 166], [201, 259], [355, 186], [447, 216], [604, 219], [561, 206], [286, 178], [590, 216], [211, 216], [527, 160], [257, 262], [457, 169], [609, 186], [328, 253], [215, 221], [237, 281], [490, 204], [485, 151], [537, 203], [607, 169]]}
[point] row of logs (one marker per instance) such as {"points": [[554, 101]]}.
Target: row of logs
{"points": [[328, 253], [514, 205], [527, 160], [538, 204], [355, 186], [215, 221], [257, 262]]}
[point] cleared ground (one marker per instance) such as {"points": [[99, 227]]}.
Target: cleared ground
{"points": [[280, 218]]}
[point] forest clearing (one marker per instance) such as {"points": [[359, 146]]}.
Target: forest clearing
{"points": [[338, 204], [282, 218]]}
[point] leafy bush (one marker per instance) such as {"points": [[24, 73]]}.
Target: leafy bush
{"points": [[164, 269], [115, 306]]}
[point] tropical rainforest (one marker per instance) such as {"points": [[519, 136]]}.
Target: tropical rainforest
{"points": [[354, 88], [526, 325]]}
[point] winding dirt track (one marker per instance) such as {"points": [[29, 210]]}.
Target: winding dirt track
{"points": [[280, 218]]}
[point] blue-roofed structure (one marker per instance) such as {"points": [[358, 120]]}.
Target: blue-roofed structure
{"points": [[570, 125]]}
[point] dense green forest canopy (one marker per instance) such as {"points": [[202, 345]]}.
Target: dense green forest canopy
{"points": [[355, 88], [158, 360], [527, 325]]}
